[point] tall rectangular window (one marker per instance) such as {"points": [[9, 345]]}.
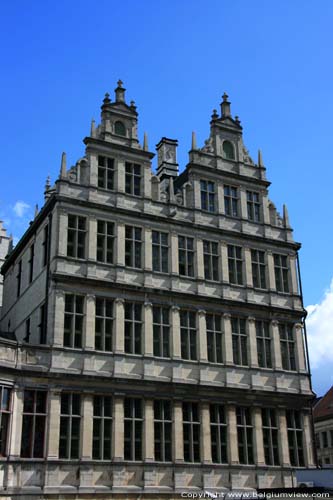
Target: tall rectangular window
{"points": [[245, 435], [103, 324], [42, 324], [33, 424], [211, 260], [162, 430], [271, 436], [70, 425], [188, 335], [264, 344], [231, 201], [160, 252], [207, 189], [45, 244], [186, 256], [214, 338], [235, 264], [295, 438], [76, 236], [161, 331], [18, 278], [102, 428], [133, 328], [239, 341], [5, 410], [287, 343], [253, 206], [218, 430], [325, 439], [74, 315], [133, 422], [31, 262], [105, 241], [258, 269], [281, 273], [191, 432], [105, 173], [133, 247], [132, 179]]}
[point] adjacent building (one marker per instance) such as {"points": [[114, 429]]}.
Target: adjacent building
{"points": [[323, 424], [159, 324]]}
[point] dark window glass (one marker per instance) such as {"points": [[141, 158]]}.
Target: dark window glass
{"points": [[133, 422], [45, 244], [281, 273], [211, 260], [73, 324], [161, 331], [188, 335], [295, 438], [191, 432], [288, 348], [214, 338], [264, 344], [105, 241], [33, 424], [258, 269], [31, 262], [228, 150], [253, 206], [132, 179], [271, 436], [5, 411], [102, 428], [76, 236], [207, 189], [19, 278], [239, 341], [218, 429], [133, 247], [245, 435], [162, 430], [105, 173], [235, 263], [70, 425], [186, 256], [119, 128], [160, 247], [103, 324], [231, 201], [133, 328]]}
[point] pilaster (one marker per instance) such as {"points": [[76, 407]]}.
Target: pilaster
{"points": [[224, 262], [233, 455], [205, 438], [175, 332], [120, 244], [148, 257], [174, 254], [87, 426], [53, 424], [148, 329], [118, 428], [16, 428], [271, 272], [308, 441], [178, 436], [253, 350], [200, 271], [283, 441], [274, 326], [120, 175], [149, 452], [203, 355], [258, 437], [63, 226], [147, 181], [59, 317], [227, 339], [293, 275], [119, 322], [248, 267], [90, 322], [298, 335], [243, 202], [92, 238]]}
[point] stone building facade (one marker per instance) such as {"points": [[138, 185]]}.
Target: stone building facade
{"points": [[159, 324], [323, 424], [4, 246]]}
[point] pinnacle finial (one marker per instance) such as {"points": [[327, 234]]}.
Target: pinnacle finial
{"points": [[260, 162], [145, 142], [120, 92], [92, 128], [225, 97], [107, 99], [194, 141], [225, 106], [63, 169], [36, 211], [215, 115], [286, 222], [120, 83], [47, 183]]}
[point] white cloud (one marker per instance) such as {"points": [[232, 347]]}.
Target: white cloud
{"points": [[320, 331], [20, 208]]}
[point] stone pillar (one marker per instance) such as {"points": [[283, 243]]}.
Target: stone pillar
{"points": [[149, 452], [175, 332], [63, 226], [59, 318], [271, 272], [243, 203], [177, 436], [120, 244], [265, 209], [308, 441], [16, 427], [53, 424], [197, 194], [87, 426], [227, 339], [274, 327], [90, 322], [174, 254], [147, 180], [224, 262], [148, 256], [248, 267], [293, 275], [92, 239], [202, 330], [258, 437], [148, 329], [283, 441], [233, 455], [120, 175], [220, 199], [253, 351], [119, 326], [118, 428], [205, 437], [200, 271], [300, 359], [93, 162]]}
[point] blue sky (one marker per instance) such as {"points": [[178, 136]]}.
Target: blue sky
{"points": [[176, 59]]}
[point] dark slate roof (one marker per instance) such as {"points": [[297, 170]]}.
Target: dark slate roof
{"points": [[324, 408]]}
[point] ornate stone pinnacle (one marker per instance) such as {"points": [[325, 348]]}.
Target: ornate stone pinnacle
{"points": [[120, 83], [225, 97], [215, 115], [107, 99]]}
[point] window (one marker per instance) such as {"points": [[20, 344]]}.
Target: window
{"points": [[281, 273], [188, 334], [76, 236], [42, 324], [239, 341], [5, 409], [264, 344], [105, 241], [191, 432], [160, 252], [33, 424], [45, 244], [211, 260], [132, 179], [31, 262], [231, 201], [186, 256], [287, 343], [105, 173], [218, 430], [103, 324], [324, 439], [258, 268], [133, 327], [253, 206], [245, 435], [27, 330], [161, 331], [235, 263], [18, 278], [133, 245], [295, 438], [73, 327], [271, 437], [214, 338], [318, 440], [119, 128], [133, 429], [70, 423], [162, 430], [228, 150], [102, 428], [207, 196]]}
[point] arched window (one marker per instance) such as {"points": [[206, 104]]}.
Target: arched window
{"points": [[228, 150], [119, 128]]}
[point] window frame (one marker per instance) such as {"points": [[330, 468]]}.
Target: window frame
{"points": [[270, 428], [214, 338], [133, 338], [253, 206], [264, 344], [281, 272], [240, 341], [245, 435], [186, 256], [133, 180], [235, 265], [288, 346], [231, 200], [161, 331], [258, 264], [211, 260], [5, 419], [36, 424], [105, 254], [135, 427], [105, 173], [160, 252], [77, 242], [163, 446], [101, 422], [295, 438], [207, 196], [68, 419], [219, 433], [75, 315], [107, 323], [191, 429], [188, 335], [133, 247]]}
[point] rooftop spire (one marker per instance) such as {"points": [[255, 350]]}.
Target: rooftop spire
{"points": [[286, 217], [107, 99], [145, 142], [63, 169], [225, 106], [260, 162], [36, 211], [194, 141], [120, 92], [92, 129]]}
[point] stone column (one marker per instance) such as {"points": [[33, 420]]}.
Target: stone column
{"points": [[274, 328], [63, 226], [16, 427], [227, 340], [147, 180], [90, 322], [53, 424], [118, 428], [93, 162], [248, 267], [243, 203], [224, 262], [177, 436], [149, 452], [283, 441], [205, 437], [293, 275], [308, 441], [148, 257], [271, 272], [220, 199], [200, 270], [119, 326], [233, 455], [265, 209], [87, 426], [253, 350], [59, 317], [175, 332], [197, 194], [174, 254], [120, 175], [298, 335], [258, 437], [148, 329], [202, 330], [92, 238], [120, 244]]}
